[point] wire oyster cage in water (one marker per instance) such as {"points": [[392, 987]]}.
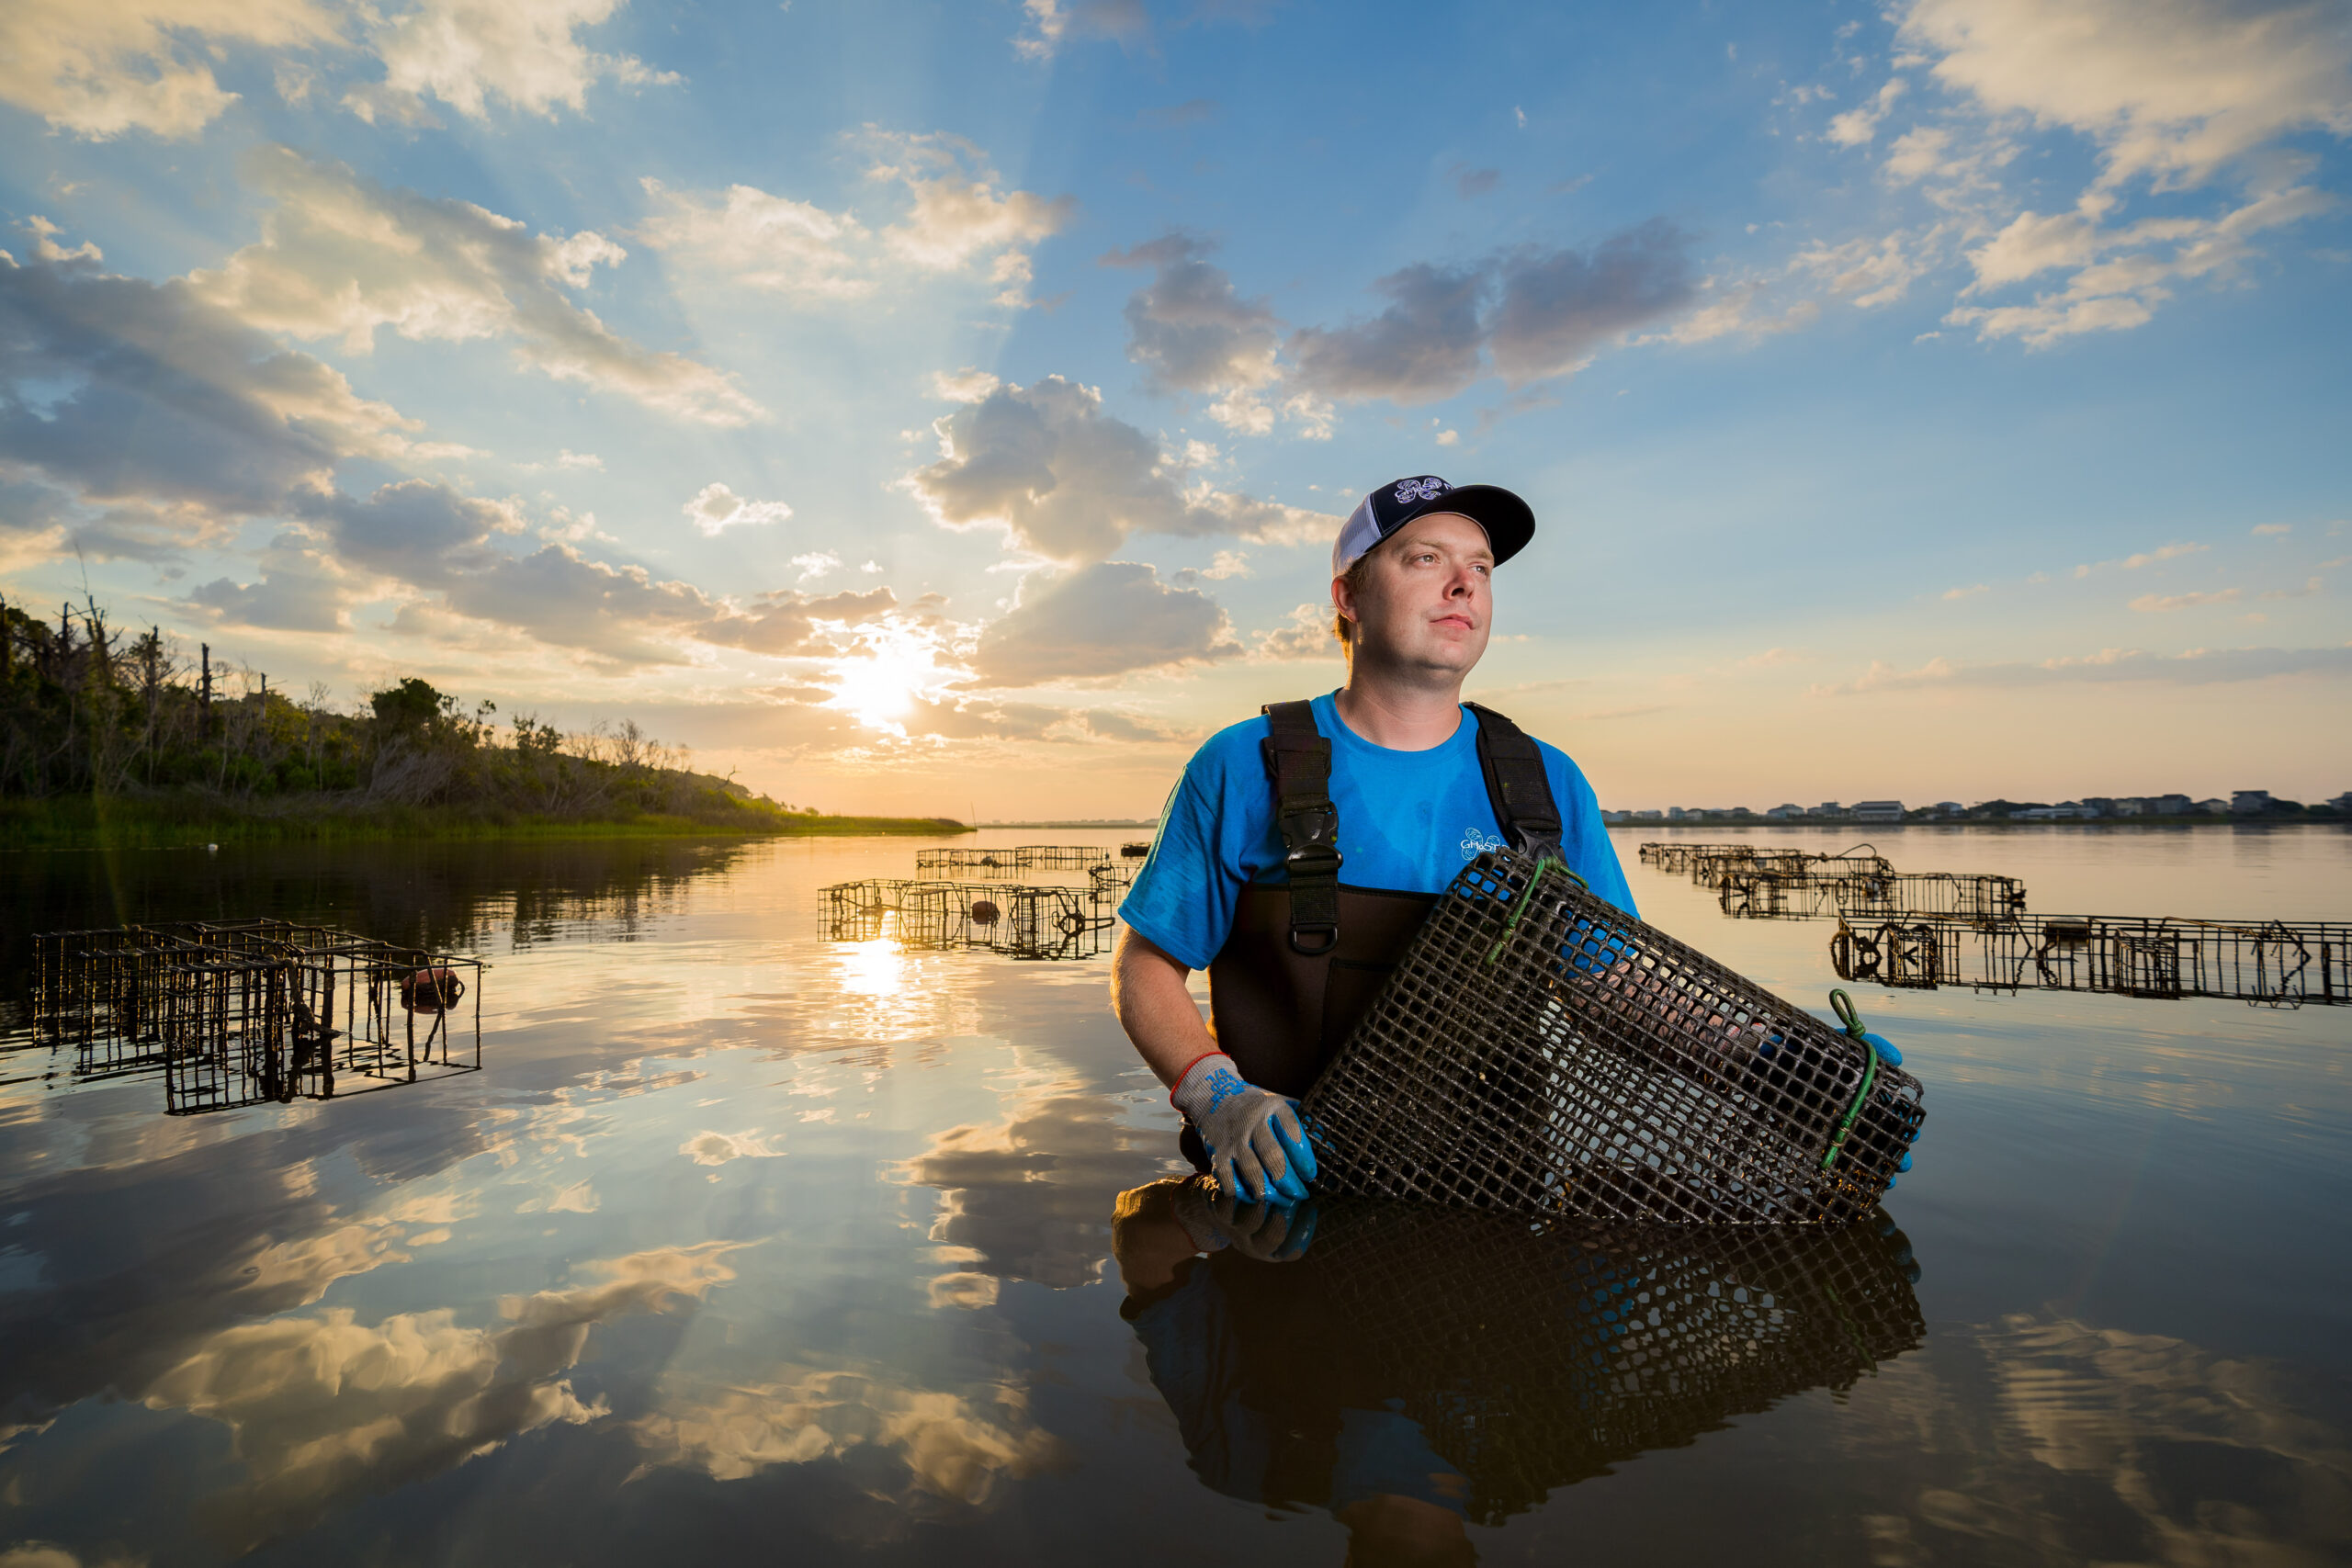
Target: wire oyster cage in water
{"points": [[1539, 1051]]}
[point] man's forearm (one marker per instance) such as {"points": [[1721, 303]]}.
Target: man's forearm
{"points": [[1148, 994]]}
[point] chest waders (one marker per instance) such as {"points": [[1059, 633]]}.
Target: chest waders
{"points": [[1305, 957]]}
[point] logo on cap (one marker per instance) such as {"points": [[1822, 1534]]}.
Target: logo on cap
{"points": [[1428, 487]]}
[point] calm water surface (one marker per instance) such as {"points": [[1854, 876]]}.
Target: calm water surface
{"points": [[749, 1246]]}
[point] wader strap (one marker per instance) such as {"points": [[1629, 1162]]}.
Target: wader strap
{"points": [[1516, 783], [1299, 759]]}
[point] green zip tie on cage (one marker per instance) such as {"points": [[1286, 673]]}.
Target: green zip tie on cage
{"points": [[1526, 896], [1848, 1014]]}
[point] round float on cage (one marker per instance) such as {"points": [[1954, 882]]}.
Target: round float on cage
{"points": [[435, 989]]}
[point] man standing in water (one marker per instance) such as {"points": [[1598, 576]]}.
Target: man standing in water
{"points": [[1300, 850]]}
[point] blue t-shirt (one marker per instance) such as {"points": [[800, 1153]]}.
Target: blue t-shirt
{"points": [[1409, 820]]}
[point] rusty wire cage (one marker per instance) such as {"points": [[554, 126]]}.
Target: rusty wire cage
{"points": [[947, 916], [2264, 963], [1539, 1051], [1060, 857], [1052, 922], [1673, 857], [858, 911], [987, 865], [1760, 893], [1533, 1356]]}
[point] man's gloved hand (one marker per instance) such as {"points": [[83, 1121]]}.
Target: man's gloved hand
{"points": [[1257, 1150], [1214, 1219]]}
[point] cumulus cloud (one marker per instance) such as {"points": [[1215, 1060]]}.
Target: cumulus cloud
{"points": [[100, 71], [1193, 333], [951, 216], [431, 538], [1873, 270], [767, 241], [959, 215], [1857, 125], [300, 590], [468, 53], [1060, 477], [2170, 91], [342, 257], [715, 509], [1424, 346], [2169, 95], [1306, 634], [1558, 307], [228, 421], [1102, 620], [1046, 23], [1538, 312], [2121, 272]]}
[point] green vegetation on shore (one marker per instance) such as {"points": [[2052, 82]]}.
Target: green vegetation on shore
{"points": [[108, 741]]}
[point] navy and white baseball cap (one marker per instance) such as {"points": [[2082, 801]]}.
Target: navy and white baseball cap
{"points": [[1510, 522]]}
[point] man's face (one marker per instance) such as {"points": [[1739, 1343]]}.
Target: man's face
{"points": [[1427, 601]]}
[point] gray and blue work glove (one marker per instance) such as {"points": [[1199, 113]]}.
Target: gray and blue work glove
{"points": [[1257, 1149]]}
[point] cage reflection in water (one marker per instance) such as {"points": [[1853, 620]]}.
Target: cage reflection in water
{"points": [[1521, 1357], [1539, 1051], [2263, 962], [236, 1013]]}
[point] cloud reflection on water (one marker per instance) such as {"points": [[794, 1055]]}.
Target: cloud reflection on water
{"points": [[2101, 1444], [1030, 1197], [323, 1408], [954, 1447]]}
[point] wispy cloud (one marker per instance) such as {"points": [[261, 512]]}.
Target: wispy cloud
{"points": [[2197, 668], [2158, 603]]}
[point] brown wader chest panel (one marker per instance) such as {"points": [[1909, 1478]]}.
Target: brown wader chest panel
{"points": [[1305, 957]]}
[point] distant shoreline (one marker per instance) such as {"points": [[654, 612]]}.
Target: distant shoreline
{"points": [[1105, 827], [2309, 819], [82, 822]]}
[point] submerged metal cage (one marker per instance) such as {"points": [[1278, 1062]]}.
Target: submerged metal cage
{"points": [[944, 916], [1760, 894], [990, 865], [1060, 857], [1537, 1050], [2264, 962], [1052, 922], [857, 911], [1533, 1356]]}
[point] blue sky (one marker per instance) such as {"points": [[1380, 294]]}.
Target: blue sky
{"points": [[949, 407]]}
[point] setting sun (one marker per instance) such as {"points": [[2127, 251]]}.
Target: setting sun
{"points": [[879, 684]]}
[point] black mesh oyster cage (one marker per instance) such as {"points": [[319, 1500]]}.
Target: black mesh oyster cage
{"points": [[1539, 1051]]}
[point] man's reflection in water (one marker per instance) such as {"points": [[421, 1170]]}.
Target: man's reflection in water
{"points": [[1413, 1369]]}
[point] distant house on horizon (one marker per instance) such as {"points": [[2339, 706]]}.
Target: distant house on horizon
{"points": [[1878, 811]]}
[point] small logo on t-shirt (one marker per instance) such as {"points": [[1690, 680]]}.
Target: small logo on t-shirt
{"points": [[1475, 844]]}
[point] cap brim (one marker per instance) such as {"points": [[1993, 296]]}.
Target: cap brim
{"points": [[1510, 522]]}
